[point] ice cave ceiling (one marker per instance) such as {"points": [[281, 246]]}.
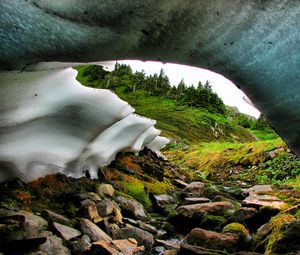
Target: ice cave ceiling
{"points": [[254, 43]]}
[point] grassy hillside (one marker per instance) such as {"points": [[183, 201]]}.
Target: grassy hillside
{"points": [[186, 124]]}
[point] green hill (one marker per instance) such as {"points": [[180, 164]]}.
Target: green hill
{"points": [[179, 121]]}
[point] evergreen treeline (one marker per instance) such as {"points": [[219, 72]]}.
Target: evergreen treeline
{"points": [[201, 96]]}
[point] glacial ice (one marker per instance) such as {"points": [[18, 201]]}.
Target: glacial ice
{"points": [[50, 123]]}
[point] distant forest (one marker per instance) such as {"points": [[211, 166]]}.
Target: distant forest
{"points": [[201, 96]]}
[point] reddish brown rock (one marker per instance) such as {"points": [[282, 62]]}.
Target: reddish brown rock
{"points": [[210, 239]]}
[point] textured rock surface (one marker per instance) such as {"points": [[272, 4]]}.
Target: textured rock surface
{"points": [[255, 44]]}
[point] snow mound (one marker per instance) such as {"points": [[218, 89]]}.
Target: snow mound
{"points": [[50, 123]]}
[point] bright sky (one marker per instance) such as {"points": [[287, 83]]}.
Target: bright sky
{"points": [[229, 93]]}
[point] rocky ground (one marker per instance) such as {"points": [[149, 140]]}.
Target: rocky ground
{"points": [[142, 205]]}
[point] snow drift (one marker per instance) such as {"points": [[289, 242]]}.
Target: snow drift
{"points": [[50, 123]]}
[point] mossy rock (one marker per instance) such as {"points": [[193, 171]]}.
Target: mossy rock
{"points": [[241, 231], [285, 237]]}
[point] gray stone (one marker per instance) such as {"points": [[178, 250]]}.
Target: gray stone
{"points": [[106, 207], [143, 237], [93, 231], [194, 189], [66, 232], [53, 246], [131, 208], [54, 217]]}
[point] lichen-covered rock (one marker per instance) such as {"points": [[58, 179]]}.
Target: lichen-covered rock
{"points": [[285, 238], [271, 232], [242, 233]]}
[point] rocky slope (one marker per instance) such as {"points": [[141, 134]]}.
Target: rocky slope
{"points": [[61, 215]]}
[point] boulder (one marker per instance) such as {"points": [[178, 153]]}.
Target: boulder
{"points": [[259, 196], [143, 237], [242, 233], [209, 239], [217, 208], [93, 231], [89, 210], [131, 208], [106, 207], [147, 227], [105, 190], [54, 217], [65, 232]]}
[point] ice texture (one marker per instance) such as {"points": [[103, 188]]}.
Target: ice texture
{"points": [[50, 123]]}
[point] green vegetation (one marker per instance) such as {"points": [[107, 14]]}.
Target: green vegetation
{"points": [[209, 140], [176, 115]]}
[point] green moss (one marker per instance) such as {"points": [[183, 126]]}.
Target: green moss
{"points": [[277, 232], [235, 228]]}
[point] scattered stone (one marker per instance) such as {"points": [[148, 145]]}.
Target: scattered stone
{"points": [[195, 200], [264, 200], [106, 207], [168, 244], [158, 250], [194, 189], [218, 208], [81, 246], [143, 237], [187, 249], [179, 183], [93, 231], [243, 215], [147, 227], [65, 232], [104, 190], [259, 189], [160, 202], [208, 239], [33, 220], [89, 210], [131, 208], [53, 246], [54, 217], [117, 247]]}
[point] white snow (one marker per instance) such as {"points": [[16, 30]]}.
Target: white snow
{"points": [[50, 123]]}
